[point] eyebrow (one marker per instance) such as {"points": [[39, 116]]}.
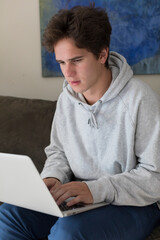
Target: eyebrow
{"points": [[70, 59]]}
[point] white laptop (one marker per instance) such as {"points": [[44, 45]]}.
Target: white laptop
{"points": [[21, 185]]}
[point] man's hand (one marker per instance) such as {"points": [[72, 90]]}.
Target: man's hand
{"points": [[52, 183], [78, 190]]}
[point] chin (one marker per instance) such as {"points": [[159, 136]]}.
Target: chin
{"points": [[78, 90]]}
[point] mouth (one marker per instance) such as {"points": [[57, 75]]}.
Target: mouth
{"points": [[75, 83]]}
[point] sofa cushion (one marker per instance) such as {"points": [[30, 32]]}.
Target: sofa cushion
{"points": [[25, 126]]}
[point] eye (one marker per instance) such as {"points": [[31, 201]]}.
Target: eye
{"points": [[77, 60], [61, 63]]}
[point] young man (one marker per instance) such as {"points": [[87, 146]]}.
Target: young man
{"points": [[105, 140]]}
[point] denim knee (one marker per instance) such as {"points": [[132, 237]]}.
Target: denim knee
{"points": [[18, 223], [69, 228], [8, 223]]}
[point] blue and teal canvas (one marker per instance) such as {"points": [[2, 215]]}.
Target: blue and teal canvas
{"points": [[135, 32]]}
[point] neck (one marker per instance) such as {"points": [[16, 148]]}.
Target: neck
{"points": [[93, 97]]}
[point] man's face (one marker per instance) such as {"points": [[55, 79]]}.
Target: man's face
{"points": [[81, 68]]}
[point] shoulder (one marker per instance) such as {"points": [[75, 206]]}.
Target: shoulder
{"points": [[137, 90], [63, 100], [140, 99], [65, 106]]}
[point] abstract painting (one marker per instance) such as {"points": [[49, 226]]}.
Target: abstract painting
{"points": [[135, 32]]}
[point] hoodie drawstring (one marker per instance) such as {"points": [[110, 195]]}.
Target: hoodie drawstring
{"points": [[92, 120]]}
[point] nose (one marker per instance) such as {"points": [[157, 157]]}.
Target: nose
{"points": [[69, 70]]}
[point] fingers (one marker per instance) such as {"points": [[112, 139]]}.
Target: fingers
{"points": [[51, 183], [61, 193], [78, 190], [61, 197], [76, 200]]}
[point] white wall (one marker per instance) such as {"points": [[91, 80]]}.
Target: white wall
{"points": [[20, 54]]}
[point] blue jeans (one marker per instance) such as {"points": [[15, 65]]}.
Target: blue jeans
{"points": [[105, 223]]}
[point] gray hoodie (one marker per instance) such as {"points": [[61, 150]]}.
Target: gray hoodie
{"points": [[112, 145]]}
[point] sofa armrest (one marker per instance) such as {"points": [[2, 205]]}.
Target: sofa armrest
{"points": [[25, 126]]}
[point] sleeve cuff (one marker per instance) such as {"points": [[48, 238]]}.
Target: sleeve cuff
{"points": [[101, 189]]}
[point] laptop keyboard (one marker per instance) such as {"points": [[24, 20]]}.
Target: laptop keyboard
{"points": [[64, 206]]}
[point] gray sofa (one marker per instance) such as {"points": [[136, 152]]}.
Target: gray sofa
{"points": [[25, 129]]}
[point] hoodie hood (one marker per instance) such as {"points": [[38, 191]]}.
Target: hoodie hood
{"points": [[121, 74]]}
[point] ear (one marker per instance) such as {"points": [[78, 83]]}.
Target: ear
{"points": [[104, 55]]}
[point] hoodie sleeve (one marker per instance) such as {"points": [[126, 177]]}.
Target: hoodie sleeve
{"points": [[56, 165], [139, 186]]}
